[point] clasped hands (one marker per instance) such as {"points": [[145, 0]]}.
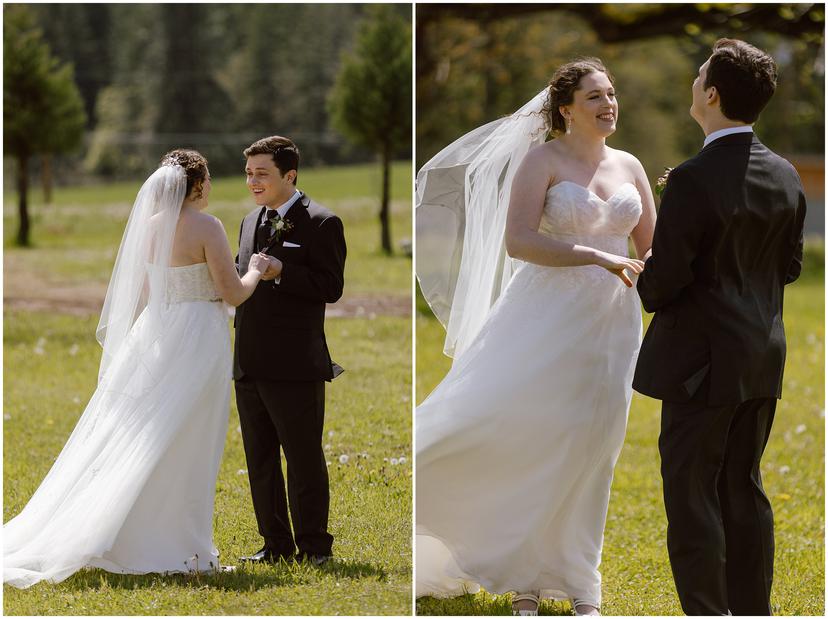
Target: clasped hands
{"points": [[270, 267]]}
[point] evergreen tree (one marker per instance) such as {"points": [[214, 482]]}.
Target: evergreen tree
{"points": [[371, 101], [42, 107]]}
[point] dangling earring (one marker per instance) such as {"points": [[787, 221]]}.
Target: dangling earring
{"points": [[568, 125]]}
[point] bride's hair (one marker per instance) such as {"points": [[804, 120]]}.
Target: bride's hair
{"points": [[194, 164], [562, 89]]}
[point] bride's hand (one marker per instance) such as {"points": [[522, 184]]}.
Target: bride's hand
{"points": [[619, 265], [258, 262]]}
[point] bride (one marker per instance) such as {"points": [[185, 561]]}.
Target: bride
{"points": [[132, 490], [516, 446]]}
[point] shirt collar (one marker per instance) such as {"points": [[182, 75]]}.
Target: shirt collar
{"points": [[723, 132], [283, 209]]}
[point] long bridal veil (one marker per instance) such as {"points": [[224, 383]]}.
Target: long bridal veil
{"points": [[138, 279], [461, 204], [79, 510]]}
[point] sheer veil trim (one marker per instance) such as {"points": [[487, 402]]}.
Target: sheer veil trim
{"points": [[138, 281], [461, 204]]}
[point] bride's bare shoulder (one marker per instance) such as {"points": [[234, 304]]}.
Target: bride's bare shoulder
{"points": [[548, 157], [625, 159]]}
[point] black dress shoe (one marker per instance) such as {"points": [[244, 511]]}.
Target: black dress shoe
{"points": [[313, 559], [266, 555]]}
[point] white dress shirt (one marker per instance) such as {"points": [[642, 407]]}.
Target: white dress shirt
{"points": [[284, 208], [723, 132]]}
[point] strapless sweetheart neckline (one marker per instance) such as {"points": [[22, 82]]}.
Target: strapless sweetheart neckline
{"points": [[615, 193]]}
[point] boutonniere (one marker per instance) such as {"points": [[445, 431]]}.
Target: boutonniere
{"points": [[661, 183], [279, 227]]}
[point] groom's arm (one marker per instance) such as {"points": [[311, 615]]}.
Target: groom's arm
{"points": [[323, 277], [796, 263], [677, 241]]}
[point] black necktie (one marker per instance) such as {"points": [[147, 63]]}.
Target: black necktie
{"points": [[265, 231]]}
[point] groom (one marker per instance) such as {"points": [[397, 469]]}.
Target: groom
{"points": [[281, 359], [727, 240]]}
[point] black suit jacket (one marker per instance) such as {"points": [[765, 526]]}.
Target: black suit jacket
{"points": [[280, 329], [727, 240]]}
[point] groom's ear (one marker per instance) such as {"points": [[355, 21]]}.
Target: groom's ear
{"points": [[712, 96]]}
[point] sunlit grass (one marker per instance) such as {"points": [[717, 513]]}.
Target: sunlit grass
{"points": [[50, 370], [635, 569]]}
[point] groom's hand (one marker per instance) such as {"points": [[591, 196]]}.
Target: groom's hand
{"points": [[274, 269]]}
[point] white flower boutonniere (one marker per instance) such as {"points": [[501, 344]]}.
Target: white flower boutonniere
{"points": [[279, 227], [661, 183]]}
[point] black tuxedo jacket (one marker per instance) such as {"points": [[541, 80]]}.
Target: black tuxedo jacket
{"points": [[280, 329], [727, 240]]}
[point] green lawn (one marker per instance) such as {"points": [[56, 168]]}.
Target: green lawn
{"points": [[78, 235], [635, 569], [50, 371]]}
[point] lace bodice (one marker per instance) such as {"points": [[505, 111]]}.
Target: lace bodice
{"points": [[574, 213], [190, 283]]}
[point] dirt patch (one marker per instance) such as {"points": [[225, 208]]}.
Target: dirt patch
{"points": [[72, 301], [25, 292]]}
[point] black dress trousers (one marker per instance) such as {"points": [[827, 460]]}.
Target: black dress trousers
{"points": [[720, 522], [286, 416]]}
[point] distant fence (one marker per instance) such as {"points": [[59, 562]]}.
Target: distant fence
{"points": [[109, 154]]}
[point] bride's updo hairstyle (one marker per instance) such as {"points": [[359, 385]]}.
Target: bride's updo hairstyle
{"points": [[194, 164], [562, 89]]}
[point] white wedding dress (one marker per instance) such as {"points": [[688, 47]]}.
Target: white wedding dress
{"points": [[516, 446], [133, 489]]}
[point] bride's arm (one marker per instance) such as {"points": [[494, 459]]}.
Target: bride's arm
{"points": [[642, 234], [523, 241], [233, 289]]}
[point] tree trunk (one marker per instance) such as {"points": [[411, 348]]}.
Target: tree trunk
{"points": [[386, 200], [47, 178], [22, 197]]}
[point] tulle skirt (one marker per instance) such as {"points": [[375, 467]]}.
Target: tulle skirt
{"points": [[132, 491], [516, 446]]}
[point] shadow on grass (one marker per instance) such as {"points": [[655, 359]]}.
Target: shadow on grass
{"points": [[244, 578], [485, 604]]}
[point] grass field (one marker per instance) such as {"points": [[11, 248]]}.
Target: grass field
{"points": [[50, 370], [77, 236], [635, 569]]}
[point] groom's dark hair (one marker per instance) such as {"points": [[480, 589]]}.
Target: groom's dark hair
{"points": [[285, 153], [744, 76]]}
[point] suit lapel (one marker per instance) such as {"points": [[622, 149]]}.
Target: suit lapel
{"points": [[247, 244], [297, 216]]}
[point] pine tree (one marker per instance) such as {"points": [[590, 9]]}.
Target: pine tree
{"points": [[371, 101], [42, 107]]}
